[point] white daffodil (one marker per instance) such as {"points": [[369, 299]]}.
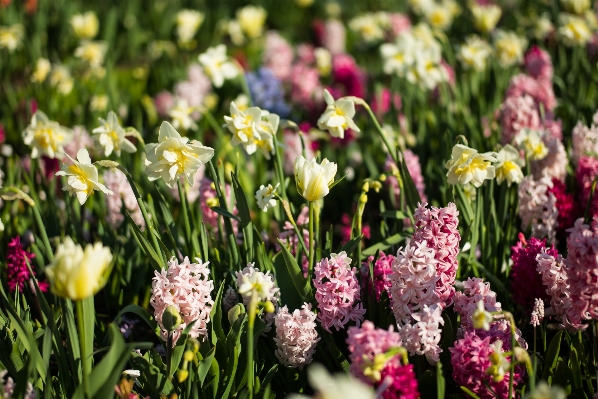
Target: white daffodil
{"points": [[313, 180], [110, 136], [543, 27], [468, 166], [46, 137], [323, 61], [500, 363], [85, 25], [439, 16], [82, 176], [265, 197], [217, 65], [486, 16], [574, 30], [368, 27], [92, 52], [62, 79], [257, 284], [474, 53], [338, 116], [99, 103], [42, 69], [251, 19], [181, 115], [531, 142], [481, 318], [577, 6], [400, 55], [509, 48], [174, 156], [509, 165], [188, 22], [244, 125], [11, 37], [267, 128]]}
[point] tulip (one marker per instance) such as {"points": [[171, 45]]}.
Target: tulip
{"points": [[313, 180]]}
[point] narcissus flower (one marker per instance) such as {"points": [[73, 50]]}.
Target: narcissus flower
{"points": [[468, 166], [486, 16], [509, 165], [76, 273], [174, 156], [265, 197], [251, 20], [92, 52], [188, 22], [46, 137], [576, 6], [42, 69], [11, 37], [181, 115], [244, 125], [85, 25], [82, 177], [530, 141], [110, 136], [509, 48], [481, 318], [574, 30], [474, 53], [338, 116], [313, 180], [217, 65]]}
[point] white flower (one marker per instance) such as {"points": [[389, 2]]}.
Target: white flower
{"points": [[313, 180], [217, 66], [61, 78], [576, 6], [251, 20], [545, 391], [509, 165], [82, 176], [368, 27], [174, 156], [574, 30], [244, 125], [398, 56], [132, 373], [543, 27], [42, 69], [323, 61], [188, 22], [485, 17], [46, 137], [509, 48], [92, 52], [85, 25], [338, 116], [110, 136], [439, 16], [531, 142], [267, 128], [481, 318], [265, 197], [11, 37], [467, 166], [181, 115], [474, 53], [341, 386], [256, 283]]}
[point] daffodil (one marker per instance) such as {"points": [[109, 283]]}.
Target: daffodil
{"points": [[217, 65], [99, 103], [265, 197], [181, 115], [474, 53], [251, 19], [323, 61], [439, 16], [61, 79], [481, 318], [110, 136], [46, 137], [543, 27], [42, 69], [313, 180], [174, 156], [338, 116], [244, 125], [188, 22], [82, 176], [256, 284], [576, 6], [486, 16], [531, 142], [85, 25], [468, 166], [267, 128], [368, 27], [11, 37], [509, 48], [76, 273], [509, 165], [92, 52], [574, 30]]}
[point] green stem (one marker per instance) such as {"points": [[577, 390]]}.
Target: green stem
{"points": [[191, 242], [391, 151], [311, 239], [169, 353], [83, 348], [44, 234], [252, 314], [279, 171]]}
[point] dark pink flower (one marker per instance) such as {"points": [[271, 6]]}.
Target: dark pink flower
{"points": [[382, 269], [538, 64], [347, 74], [17, 270], [398, 381]]}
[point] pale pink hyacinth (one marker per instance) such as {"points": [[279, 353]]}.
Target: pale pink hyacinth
{"points": [[553, 129], [539, 90], [116, 181], [399, 24], [585, 140], [187, 287], [423, 337], [8, 387], [365, 343], [81, 139], [466, 302], [164, 101], [537, 207], [415, 171], [278, 55], [553, 165], [518, 113], [337, 292], [538, 64], [293, 148], [305, 85], [582, 272], [334, 39], [273, 295], [209, 198], [539, 308], [296, 336]]}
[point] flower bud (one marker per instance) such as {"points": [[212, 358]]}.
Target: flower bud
{"points": [[313, 180], [269, 307], [382, 177], [171, 319], [235, 312], [366, 187], [376, 186], [182, 375], [363, 198], [188, 356]]}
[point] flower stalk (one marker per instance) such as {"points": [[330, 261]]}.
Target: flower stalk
{"points": [[86, 364]]}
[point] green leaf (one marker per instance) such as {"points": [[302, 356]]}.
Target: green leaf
{"points": [[221, 211], [351, 245], [574, 363], [241, 202], [427, 384], [440, 383], [552, 356], [411, 193], [216, 317], [88, 322], [394, 215], [147, 247], [205, 365], [179, 348], [288, 294], [467, 391], [151, 374], [385, 244], [301, 284]]}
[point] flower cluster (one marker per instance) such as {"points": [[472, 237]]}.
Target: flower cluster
{"points": [[266, 91], [17, 272], [380, 282], [553, 271], [117, 182], [296, 336], [423, 337], [252, 281], [466, 302], [415, 171], [537, 207]]}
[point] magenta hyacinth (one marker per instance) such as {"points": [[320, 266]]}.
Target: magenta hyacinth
{"points": [[17, 270], [398, 381], [538, 64], [382, 269], [587, 170]]}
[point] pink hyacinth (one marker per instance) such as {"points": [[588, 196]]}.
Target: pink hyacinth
{"points": [[553, 129], [164, 101], [208, 198], [582, 272], [296, 336], [537, 207], [585, 140], [518, 113], [187, 287], [347, 74], [539, 90], [334, 37], [17, 272], [466, 302], [382, 269], [553, 165], [293, 148], [415, 171], [365, 343], [423, 337], [470, 357], [337, 292], [81, 139], [116, 181], [305, 85], [399, 24], [538, 64], [398, 381], [553, 271], [277, 55], [587, 170]]}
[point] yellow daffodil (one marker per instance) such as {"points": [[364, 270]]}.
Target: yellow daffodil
{"points": [[42, 69], [509, 165], [509, 48], [251, 19], [85, 25], [338, 116], [11, 37], [188, 22]]}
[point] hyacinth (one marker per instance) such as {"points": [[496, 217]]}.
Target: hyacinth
{"points": [[296, 336], [117, 182], [277, 55], [585, 140], [273, 294], [187, 287], [337, 292], [398, 381], [538, 64], [293, 148], [7, 388], [553, 271], [415, 171], [470, 358], [305, 85], [526, 283], [17, 272], [539, 90], [582, 272], [537, 207], [381, 282], [367, 342], [348, 76], [334, 36], [81, 139], [466, 302], [567, 209], [267, 92], [518, 113], [553, 165], [586, 172], [423, 337], [193, 90]]}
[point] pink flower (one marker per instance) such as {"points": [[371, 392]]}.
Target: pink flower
{"points": [[399, 23], [81, 139], [116, 181], [518, 112], [187, 287], [585, 140], [556, 282], [337, 292], [475, 290], [365, 343], [164, 101], [566, 208], [17, 272], [334, 36], [423, 337], [415, 171], [554, 129], [587, 170], [348, 75], [398, 381], [553, 165], [346, 229], [538, 64], [305, 85], [296, 336], [382, 269], [537, 207], [277, 55], [293, 148], [209, 198], [540, 90]]}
